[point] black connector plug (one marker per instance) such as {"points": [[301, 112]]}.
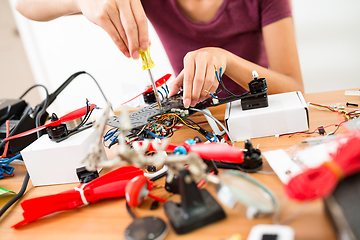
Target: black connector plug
{"points": [[151, 168], [86, 176], [252, 158]]}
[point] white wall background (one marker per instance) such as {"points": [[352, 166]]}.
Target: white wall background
{"points": [[327, 33], [328, 41]]}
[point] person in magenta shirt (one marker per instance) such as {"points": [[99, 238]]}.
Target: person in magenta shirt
{"points": [[239, 35]]}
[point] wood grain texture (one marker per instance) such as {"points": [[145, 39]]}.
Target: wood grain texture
{"points": [[108, 219]]}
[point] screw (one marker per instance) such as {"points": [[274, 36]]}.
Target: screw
{"points": [[352, 104]]}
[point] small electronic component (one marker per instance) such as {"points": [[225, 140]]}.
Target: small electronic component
{"points": [[271, 232], [352, 104], [321, 130]]}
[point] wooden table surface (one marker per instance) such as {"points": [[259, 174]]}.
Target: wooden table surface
{"points": [[108, 219]]}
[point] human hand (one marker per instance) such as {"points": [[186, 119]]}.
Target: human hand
{"points": [[124, 20], [198, 75]]}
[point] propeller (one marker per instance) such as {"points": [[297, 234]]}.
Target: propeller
{"points": [[211, 151], [110, 185], [158, 83], [66, 118]]}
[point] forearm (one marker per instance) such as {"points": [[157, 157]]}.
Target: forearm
{"points": [[45, 10], [239, 70]]}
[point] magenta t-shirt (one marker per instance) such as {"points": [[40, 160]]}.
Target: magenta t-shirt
{"points": [[236, 27]]}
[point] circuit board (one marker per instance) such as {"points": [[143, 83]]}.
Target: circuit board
{"points": [[140, 117]]}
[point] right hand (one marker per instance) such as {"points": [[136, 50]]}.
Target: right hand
{"points": [[124, 20]]}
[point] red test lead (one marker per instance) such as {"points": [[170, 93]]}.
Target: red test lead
{"points": [[211, 151], [110, 185]]}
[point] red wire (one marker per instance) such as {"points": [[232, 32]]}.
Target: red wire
{"points": [[157, 198], [132, 98], [7, 134], [321, 181], [292, 134]]}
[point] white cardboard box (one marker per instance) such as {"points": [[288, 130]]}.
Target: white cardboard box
{"points": [[286, 113], [49, 162]]}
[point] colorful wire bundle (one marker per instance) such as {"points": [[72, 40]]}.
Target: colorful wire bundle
{"points": [[347, 115], [162, 126], [321, 181]]}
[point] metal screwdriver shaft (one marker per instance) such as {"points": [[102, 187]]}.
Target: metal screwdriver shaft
{"points": [[148, 64], [155, 91]]}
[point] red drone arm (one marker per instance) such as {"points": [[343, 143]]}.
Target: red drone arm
{"points": [[68, 117], [110, 185]]}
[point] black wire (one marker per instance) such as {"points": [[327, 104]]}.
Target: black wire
{"points": [[43, 108], [34, 86], [35, 113], [38, 113], [53, 96], [335, 130], [17, 196], [129, 211], [158, 176], [14, 129], [99, 88], [234, 96], [223, 86], [37, 124], [85, 119], [338, 126], [171, 133], [229, 92]]}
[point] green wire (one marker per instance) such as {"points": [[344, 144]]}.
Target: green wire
{"points": [[155, 129]]}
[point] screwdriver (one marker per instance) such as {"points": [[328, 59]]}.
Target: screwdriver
{"points": [[147, 64]]}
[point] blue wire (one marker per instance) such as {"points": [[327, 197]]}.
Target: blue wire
{"points": [[153, 134], [109, 135], [7, 160], [212, 135], [217, 75], [212, 95], [220, 71], [164, 90], [112, 141], [162, 96], [4, 165]]}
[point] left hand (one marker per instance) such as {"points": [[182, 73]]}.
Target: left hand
{"points": [[198, 74]]}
